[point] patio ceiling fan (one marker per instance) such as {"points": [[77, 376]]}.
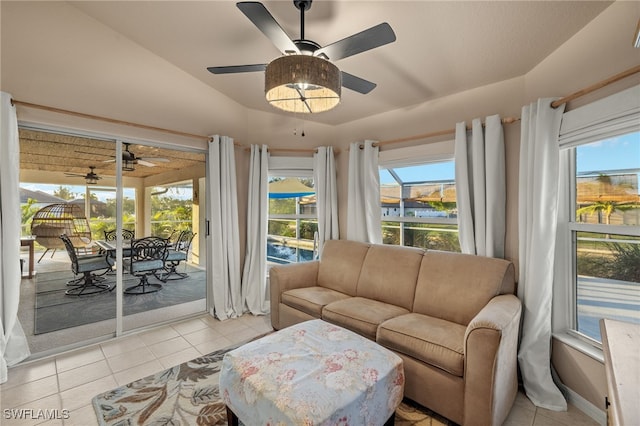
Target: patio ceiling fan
{"points": [[91, 178], [130, 157]]}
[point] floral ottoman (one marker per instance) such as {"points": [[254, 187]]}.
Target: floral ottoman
{"points": [[312, 373]]}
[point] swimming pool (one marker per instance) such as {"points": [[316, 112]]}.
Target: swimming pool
{"points": [[278, 253]]}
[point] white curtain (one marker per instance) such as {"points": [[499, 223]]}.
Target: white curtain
{"points": [[224, 253], [13, 342], [254, 277], [481, 187], [324, 169], [363, 207], [538, 208]]}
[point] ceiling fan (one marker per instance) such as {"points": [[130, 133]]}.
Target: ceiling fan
{"points": [[368, 39], [129, 158], [91, 178]]}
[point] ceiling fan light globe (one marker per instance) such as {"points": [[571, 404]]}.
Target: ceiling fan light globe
{"points": [[302, 84]]}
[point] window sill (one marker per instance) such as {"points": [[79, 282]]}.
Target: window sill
{"points": [[580, 345]]}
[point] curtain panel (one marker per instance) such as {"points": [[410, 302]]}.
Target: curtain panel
{"points": [[363, 208], [224, 247], [481, 187], [324, 170], [13, 342], [255, 292], [537, 224]]}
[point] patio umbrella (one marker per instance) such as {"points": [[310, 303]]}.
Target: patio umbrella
{"points": [[289, 188]]}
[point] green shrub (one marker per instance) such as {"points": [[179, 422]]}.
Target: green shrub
{"points": [[626, 262]]}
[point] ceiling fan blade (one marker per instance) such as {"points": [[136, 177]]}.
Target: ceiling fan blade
{"points": [[155, 159], [237, 69], [145, 163], [357, 84], [376, 36], [261, 18], [74, 175], [93, 153]]}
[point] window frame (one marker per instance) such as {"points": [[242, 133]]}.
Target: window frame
{"points": [[609, 117]]}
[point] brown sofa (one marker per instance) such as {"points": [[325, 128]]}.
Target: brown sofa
{"points": [[453, 318]]}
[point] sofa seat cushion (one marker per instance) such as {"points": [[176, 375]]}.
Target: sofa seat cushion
{"points": [[311, 300], [360, 314], [434, 341]]}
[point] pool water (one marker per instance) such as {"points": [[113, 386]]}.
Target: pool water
{"points": [[282, 254]]}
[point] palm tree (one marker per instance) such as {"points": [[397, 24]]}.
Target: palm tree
{"points": [[606, 208]]}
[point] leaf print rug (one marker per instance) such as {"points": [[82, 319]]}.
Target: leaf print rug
{"points": [[188, 394]]}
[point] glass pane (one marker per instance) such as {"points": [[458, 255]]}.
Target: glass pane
{"points": [[291, 240], [424, 191], [608, 280], [431, 236], [390, 199], [171, 209], [607, 174], [391, 233], [291, 195], [102, 214], [426, 172]]}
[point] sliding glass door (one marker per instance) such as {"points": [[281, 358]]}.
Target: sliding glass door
{"points": [[105, 186]]}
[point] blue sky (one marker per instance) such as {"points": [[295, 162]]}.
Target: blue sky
{"points": [[622, 152]]}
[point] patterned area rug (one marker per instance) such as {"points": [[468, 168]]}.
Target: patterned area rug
{"points": [[56, 311], [188, 394]]}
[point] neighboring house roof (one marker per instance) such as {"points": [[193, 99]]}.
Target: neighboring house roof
{"points": [[39, 197]]}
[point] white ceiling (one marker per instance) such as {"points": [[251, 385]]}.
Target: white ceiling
{"points": [[442, 47]]}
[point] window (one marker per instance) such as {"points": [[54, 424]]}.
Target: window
{"points": [[418, 201], [293, 219], [598, 246], [604, 232]]}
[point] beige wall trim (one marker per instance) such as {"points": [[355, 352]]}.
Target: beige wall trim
{"points": [[583, 405]]}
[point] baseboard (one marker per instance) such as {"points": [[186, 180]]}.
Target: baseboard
{"points": [[583, 405]]}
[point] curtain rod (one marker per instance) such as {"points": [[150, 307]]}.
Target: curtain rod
{"points": [[300, 150], [509, 120], [596, 86]]}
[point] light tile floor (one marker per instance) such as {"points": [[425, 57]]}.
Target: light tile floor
{"points": [[65, 383]]}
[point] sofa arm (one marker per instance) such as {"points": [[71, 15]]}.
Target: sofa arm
{"points": [[490, 356], [287, 277]]}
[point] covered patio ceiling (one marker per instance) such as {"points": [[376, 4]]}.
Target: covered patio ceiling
{"points": [[52, 152]]}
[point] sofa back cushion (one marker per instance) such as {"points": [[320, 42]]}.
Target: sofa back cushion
{"points": [[456, 286], [340, 265], [389, 274]]}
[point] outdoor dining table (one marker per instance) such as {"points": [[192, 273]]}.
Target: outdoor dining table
{"points": [[110, 246]]}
